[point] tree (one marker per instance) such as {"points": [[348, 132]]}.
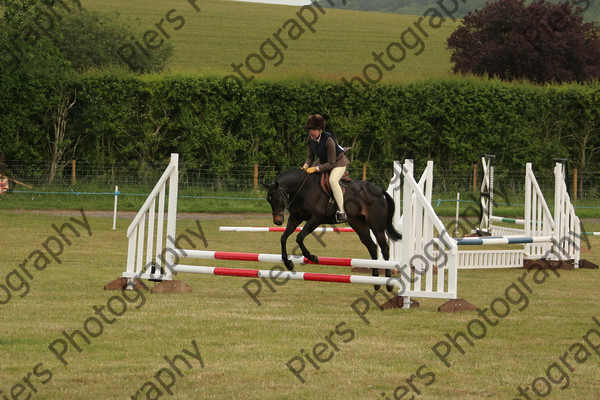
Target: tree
{"points": [[542, 42], [32, 73], [92, 40], [43, 44]]}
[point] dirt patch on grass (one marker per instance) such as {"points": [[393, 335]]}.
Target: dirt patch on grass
{"points": [[131, 214]]}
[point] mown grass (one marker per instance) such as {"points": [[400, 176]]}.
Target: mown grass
{"points": [[226, 32], [245, 347]]}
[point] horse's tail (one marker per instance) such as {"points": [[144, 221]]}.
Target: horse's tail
{"points": [[391, 231]]}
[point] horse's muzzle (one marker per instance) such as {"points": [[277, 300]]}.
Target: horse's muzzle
{"points": [[278, 219]]}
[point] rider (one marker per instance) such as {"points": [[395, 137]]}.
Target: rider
{"points": [[331, 158]]}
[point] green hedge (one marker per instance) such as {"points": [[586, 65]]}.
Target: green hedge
{"points": [[212, 121]]}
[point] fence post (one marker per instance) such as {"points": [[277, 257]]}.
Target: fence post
{"points": [[457, 213], [474, 178], [364, 172], [73, 172], [574, 183], [255, 176], [115, 208]]}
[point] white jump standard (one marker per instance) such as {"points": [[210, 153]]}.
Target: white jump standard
{"points": [[552, 237]]}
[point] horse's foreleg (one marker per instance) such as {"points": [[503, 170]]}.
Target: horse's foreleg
{"points": [[309, 227], [291, 226]]}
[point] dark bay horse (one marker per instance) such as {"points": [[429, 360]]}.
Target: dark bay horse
{"points": [[369, 208]]}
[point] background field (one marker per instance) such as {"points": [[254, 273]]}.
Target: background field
{"points": [[225, 32], [245, 347]]}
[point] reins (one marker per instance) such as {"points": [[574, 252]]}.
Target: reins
{"points": [[286, 206]]}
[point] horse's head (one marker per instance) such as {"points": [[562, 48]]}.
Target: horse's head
{"points": [[278, 201]]}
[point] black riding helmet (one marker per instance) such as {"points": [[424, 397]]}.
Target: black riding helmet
{"points": [[315, 121]]}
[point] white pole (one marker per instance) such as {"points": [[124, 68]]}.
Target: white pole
{"points": [[457, 213], [115, 210]]}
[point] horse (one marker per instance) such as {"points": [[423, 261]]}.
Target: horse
{"points": [[368, 207]]}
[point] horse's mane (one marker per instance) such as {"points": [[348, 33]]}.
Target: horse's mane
{"points": [[291, 175]]}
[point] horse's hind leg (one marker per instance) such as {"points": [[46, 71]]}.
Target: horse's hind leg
{"points": [[362, 230], [385, 251]]}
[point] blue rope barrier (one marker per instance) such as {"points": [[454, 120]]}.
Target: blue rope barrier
{"points": [[118, 193]]}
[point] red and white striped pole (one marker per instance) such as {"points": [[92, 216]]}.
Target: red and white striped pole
{"points": [[279, 229], [276, 258], [291, 275]]}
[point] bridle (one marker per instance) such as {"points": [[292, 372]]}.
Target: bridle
{"points": [[286, 201]]}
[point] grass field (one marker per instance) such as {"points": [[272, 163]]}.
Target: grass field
{"points": [[226, 32], [244, 347]]}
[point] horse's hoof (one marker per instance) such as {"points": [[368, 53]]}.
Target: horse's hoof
{"points": [[388, 274], [376, 287], [313, 259], [289, 265]]}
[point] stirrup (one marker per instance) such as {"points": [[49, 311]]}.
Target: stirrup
{"points": [[341, 217]]}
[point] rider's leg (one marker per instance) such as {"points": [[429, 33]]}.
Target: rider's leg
{"points": [[334, 181]]}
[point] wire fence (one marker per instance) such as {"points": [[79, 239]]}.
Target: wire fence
{"points": [[103, 177]]}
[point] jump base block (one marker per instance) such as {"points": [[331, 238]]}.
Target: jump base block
{"points": [[456, 305], [549, 264], [587, 264]]}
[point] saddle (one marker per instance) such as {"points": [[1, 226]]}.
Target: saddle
{"points": [[326, 188]]}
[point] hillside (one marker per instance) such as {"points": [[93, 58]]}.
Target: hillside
{"points": [[591, 8], [413, 7], [225, 32]]}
